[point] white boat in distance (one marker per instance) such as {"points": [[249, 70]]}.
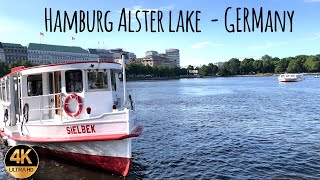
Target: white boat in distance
{"points": [[290, 77], [72, 110]]}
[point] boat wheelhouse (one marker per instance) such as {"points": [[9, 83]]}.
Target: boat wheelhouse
{"points": [[290, 77], [73, 110]]}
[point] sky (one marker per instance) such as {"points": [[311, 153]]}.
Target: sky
{"points": [[22, 21]]}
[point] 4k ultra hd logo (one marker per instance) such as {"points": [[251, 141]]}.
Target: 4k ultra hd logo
{"points": [[21, 161]]}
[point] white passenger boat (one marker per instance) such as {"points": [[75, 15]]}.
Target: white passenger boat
{"points": [[290, 77], [73, 110]]}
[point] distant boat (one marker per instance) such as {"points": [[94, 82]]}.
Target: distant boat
{"points": [[290, 77], [316, 76]]}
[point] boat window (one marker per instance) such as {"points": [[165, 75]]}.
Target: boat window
{"points": [[74, 81], [34, 85], [113, 80], [7, 90], [98, 80], [3, 90], [51, 83]]}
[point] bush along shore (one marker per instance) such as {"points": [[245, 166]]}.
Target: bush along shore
{"points": [[267, 65]]}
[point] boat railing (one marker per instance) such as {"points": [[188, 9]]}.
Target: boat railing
{"points": [[131, 100], [46, 108]]}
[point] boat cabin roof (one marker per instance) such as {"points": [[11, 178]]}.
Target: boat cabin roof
{"points": [[290, 75], [64, 66]]}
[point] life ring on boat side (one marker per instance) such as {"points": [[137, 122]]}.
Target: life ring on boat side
{"points": [[79, 107]]}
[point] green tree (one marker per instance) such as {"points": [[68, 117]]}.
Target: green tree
{"points": [[257, 66], [246, 66], [148, 70], [190, 67], [136, 69], [282, 65], [3, 69], [223, 71], [156, 71], [204, 70], [301, 60], [183, 72], [295, 66], [233, 66], [213, 69], [267, 66], [266, 58], [312, 64], [275, 59]]}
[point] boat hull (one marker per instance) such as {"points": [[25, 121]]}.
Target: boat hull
{"points": [[112, 156], [290, 80]]}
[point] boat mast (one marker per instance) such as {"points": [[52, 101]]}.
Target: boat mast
{"points": [[124, 78]]}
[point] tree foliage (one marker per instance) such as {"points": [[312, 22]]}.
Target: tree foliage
{"points": [[139, 70], [267, 64], [312, 64]]}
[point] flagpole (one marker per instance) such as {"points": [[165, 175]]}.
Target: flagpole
{"points": [[40, 37]]}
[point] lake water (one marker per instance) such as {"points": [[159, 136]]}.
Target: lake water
{"points": [[217, 128]]}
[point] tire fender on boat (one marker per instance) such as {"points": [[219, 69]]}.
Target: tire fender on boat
{"points": [[6, 116], [79, 107]]}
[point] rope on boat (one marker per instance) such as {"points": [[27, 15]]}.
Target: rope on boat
{"points": [[131, 102]]}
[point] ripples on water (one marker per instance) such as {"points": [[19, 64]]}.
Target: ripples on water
{"points": [[219, 128]]}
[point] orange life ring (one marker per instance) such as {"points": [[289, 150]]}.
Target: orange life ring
{"points": [[66, 102]]}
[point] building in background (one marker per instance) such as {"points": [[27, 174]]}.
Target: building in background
{"points": [[101, 54], [151, 53], [112, 55], [174, 56], [193, 72], [14, 52], [94, 57], [2, 55], [118, 52], [46, 54], [132, 56], [153, 58]]}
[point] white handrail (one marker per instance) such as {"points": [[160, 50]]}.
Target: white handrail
{"points": [[41, 109]]}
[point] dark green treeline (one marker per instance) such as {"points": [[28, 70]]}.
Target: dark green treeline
{"points": [[248, 66]]}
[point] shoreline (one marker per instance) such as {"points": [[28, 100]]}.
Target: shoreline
{"points": [[190, 77]]}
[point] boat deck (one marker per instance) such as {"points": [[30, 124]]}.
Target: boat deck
{"points": [[12, 128]]}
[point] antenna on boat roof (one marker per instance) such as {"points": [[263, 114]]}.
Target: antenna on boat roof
{"points": [[124, 77]]}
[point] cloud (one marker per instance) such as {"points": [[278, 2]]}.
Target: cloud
{"points": [[200, 45], [314, 37], [311, 1], [265, 46], [203, 44]]}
